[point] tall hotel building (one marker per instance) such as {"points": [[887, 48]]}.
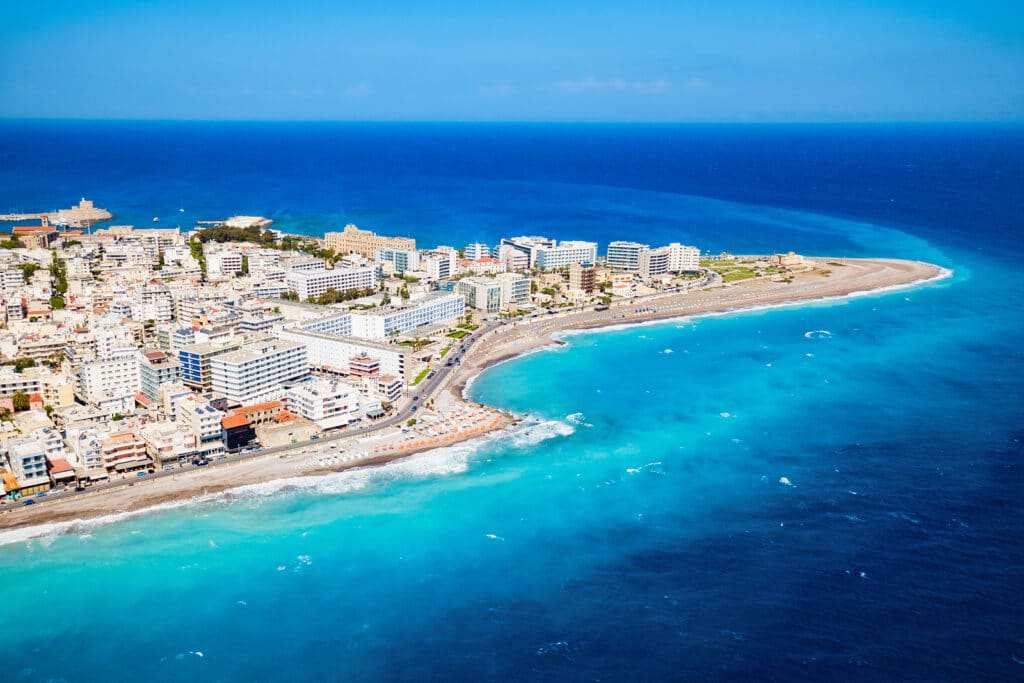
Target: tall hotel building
{"points": [[313, 283], [625, 255], [261, 371]]}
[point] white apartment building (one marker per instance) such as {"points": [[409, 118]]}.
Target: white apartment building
{"points": [[223, 263], [329, 403], [313, 283], [28, 463], [625, 255], [682, 258], [432, 310], [476, 250], [564, 254], [441, 264], [653, 262], [100, 381], [482, 294], [513, 258], [197, 416], [491, 295], [166, 442], [332, 352], [259, 372], [400, 259]]}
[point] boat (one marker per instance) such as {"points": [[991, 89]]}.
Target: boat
{"points": [[156, 219]]}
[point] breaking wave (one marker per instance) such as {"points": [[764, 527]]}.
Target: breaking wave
{"points": [[439, 462]]}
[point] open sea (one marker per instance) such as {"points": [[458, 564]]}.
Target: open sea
{"points": [[824, 492]]}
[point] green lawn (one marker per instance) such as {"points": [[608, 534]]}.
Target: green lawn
{"points": [[445, 350], [471, 328], [458, 334], [735, 274], [419, 377]]}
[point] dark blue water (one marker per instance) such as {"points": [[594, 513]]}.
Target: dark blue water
{"points": [[636, 527]]}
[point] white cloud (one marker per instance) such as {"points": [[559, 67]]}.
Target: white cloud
{"points": [[499, 90], [590, 84], [695, 84], [358, 90]]}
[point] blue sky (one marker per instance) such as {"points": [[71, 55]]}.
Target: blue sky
{"points": [[518, 61]]}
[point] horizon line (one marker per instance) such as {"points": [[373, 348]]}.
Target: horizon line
{"points": [[531, 122]]}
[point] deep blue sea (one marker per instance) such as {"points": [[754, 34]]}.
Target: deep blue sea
{"points": [[824, 492]]}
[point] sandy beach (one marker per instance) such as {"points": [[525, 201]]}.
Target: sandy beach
{"points": [[451, 418]]}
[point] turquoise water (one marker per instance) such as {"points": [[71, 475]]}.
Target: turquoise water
{"points": [[829, 491]]}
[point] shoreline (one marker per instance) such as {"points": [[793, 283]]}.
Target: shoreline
{"points": [[865, 277]]}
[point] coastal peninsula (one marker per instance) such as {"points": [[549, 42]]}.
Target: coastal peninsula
{"points": [[825, 279]]}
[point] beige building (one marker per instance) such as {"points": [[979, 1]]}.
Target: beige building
{"points": [[364, 242]]}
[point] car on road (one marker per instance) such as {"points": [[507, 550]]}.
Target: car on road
{"points": [[79, 489], [415, 398], [142, 474], [29, 502], [315, 437]]}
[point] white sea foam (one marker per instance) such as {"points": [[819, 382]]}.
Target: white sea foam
{"points": [[818, 334], [434, 463], [574, 418], [785, 481]]}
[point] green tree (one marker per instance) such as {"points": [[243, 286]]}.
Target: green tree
{"points": [[117, 417], [159, 260], [411, 421], [20, 400], [56, 303], [245, 264], [28, 270]]}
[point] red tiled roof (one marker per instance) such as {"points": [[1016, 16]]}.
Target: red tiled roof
{"points": [[60, 465], [232, 421], [35, 398]]}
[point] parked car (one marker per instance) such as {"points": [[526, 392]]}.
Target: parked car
{"points": [[315, 437], [29, 502], [141, 474]]}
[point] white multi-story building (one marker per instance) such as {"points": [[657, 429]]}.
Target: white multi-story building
{"points": [[329, 403], [313, 283], [491, 295], [565, 253], [515, 289], [476, 250], [116, 379], [166, 442], [199, 417], [333, 353], [431, 310], [400, 259], [682, 258], [28, 463], [441, 264], [261, 371], [482, 294], [625, 255], [224, 263], [653, 262]]}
